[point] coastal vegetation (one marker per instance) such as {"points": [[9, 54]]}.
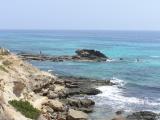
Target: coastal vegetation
{"points": [[25, 108], [2, 68], [7, 63]]}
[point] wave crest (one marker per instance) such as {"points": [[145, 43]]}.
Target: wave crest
{"points": [[115, 95]]}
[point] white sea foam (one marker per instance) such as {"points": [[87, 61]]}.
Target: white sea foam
{"points": [[117, 81], [110, 60], [116, 96], [155, 56]]}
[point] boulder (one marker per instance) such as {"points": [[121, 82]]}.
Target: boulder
{"points": [[143, 115], [44, 92], [91, 54], [52, 87], [90, 91], [56, 105], [52, 95], [62, 94], [4, 51], [43, 117], [76, 115], [48, 109], [74, 102], [87, 102]]}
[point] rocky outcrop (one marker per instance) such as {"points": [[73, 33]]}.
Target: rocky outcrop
{"points": [[90, 54], [81, 55], [56, 105], [85, 105], [80, 102], [143, 115], [76, 115]]}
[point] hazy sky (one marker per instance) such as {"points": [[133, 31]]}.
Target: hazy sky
{"points": [[80, 14]]}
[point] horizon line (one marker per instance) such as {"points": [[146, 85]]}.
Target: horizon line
{"points": [[118, 30]]}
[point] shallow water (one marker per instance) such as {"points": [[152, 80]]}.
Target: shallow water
{"points": [[139, 80]]}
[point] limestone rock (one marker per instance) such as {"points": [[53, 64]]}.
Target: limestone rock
{"points": [[56, 105], [80, 102], [52, 95], [76, 115]]}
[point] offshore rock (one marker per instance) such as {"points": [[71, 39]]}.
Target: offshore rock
{"points": [[91, 54]]}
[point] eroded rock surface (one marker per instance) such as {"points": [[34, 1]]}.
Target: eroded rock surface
{"points": [[76, 115]]}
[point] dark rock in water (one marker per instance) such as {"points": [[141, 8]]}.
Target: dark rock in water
{"points": [[119, 112], [74, 102], [90, 91], [86, 110], [143, 115], [73, 92], [92, 54], [87, 102], [120, 58], [71, 85], [84, 91]]}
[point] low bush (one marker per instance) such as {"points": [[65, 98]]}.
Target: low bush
{"points": [[3, 68], [7, 63], [25, 108]]}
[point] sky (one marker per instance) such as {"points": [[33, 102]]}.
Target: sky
{"points": [[80, 14]]}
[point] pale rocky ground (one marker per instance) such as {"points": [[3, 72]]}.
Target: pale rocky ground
{"points": [[17, 81]]}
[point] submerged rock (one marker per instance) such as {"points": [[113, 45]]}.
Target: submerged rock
{"points": [[143, 115], [86, 110]]}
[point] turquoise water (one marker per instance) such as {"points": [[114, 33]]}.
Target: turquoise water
{"points": [[139, 81]]}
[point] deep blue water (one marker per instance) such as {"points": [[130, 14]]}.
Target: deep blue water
{"points": [[140, 80]]}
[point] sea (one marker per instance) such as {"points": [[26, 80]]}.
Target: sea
{"points": [[137, 74]]}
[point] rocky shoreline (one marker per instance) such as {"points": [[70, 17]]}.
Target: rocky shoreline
{"points": [[81, 55], [55, 97]]}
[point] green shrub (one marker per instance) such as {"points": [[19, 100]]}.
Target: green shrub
{"points": [[7, 63], [3, 68], [25, 108]]}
